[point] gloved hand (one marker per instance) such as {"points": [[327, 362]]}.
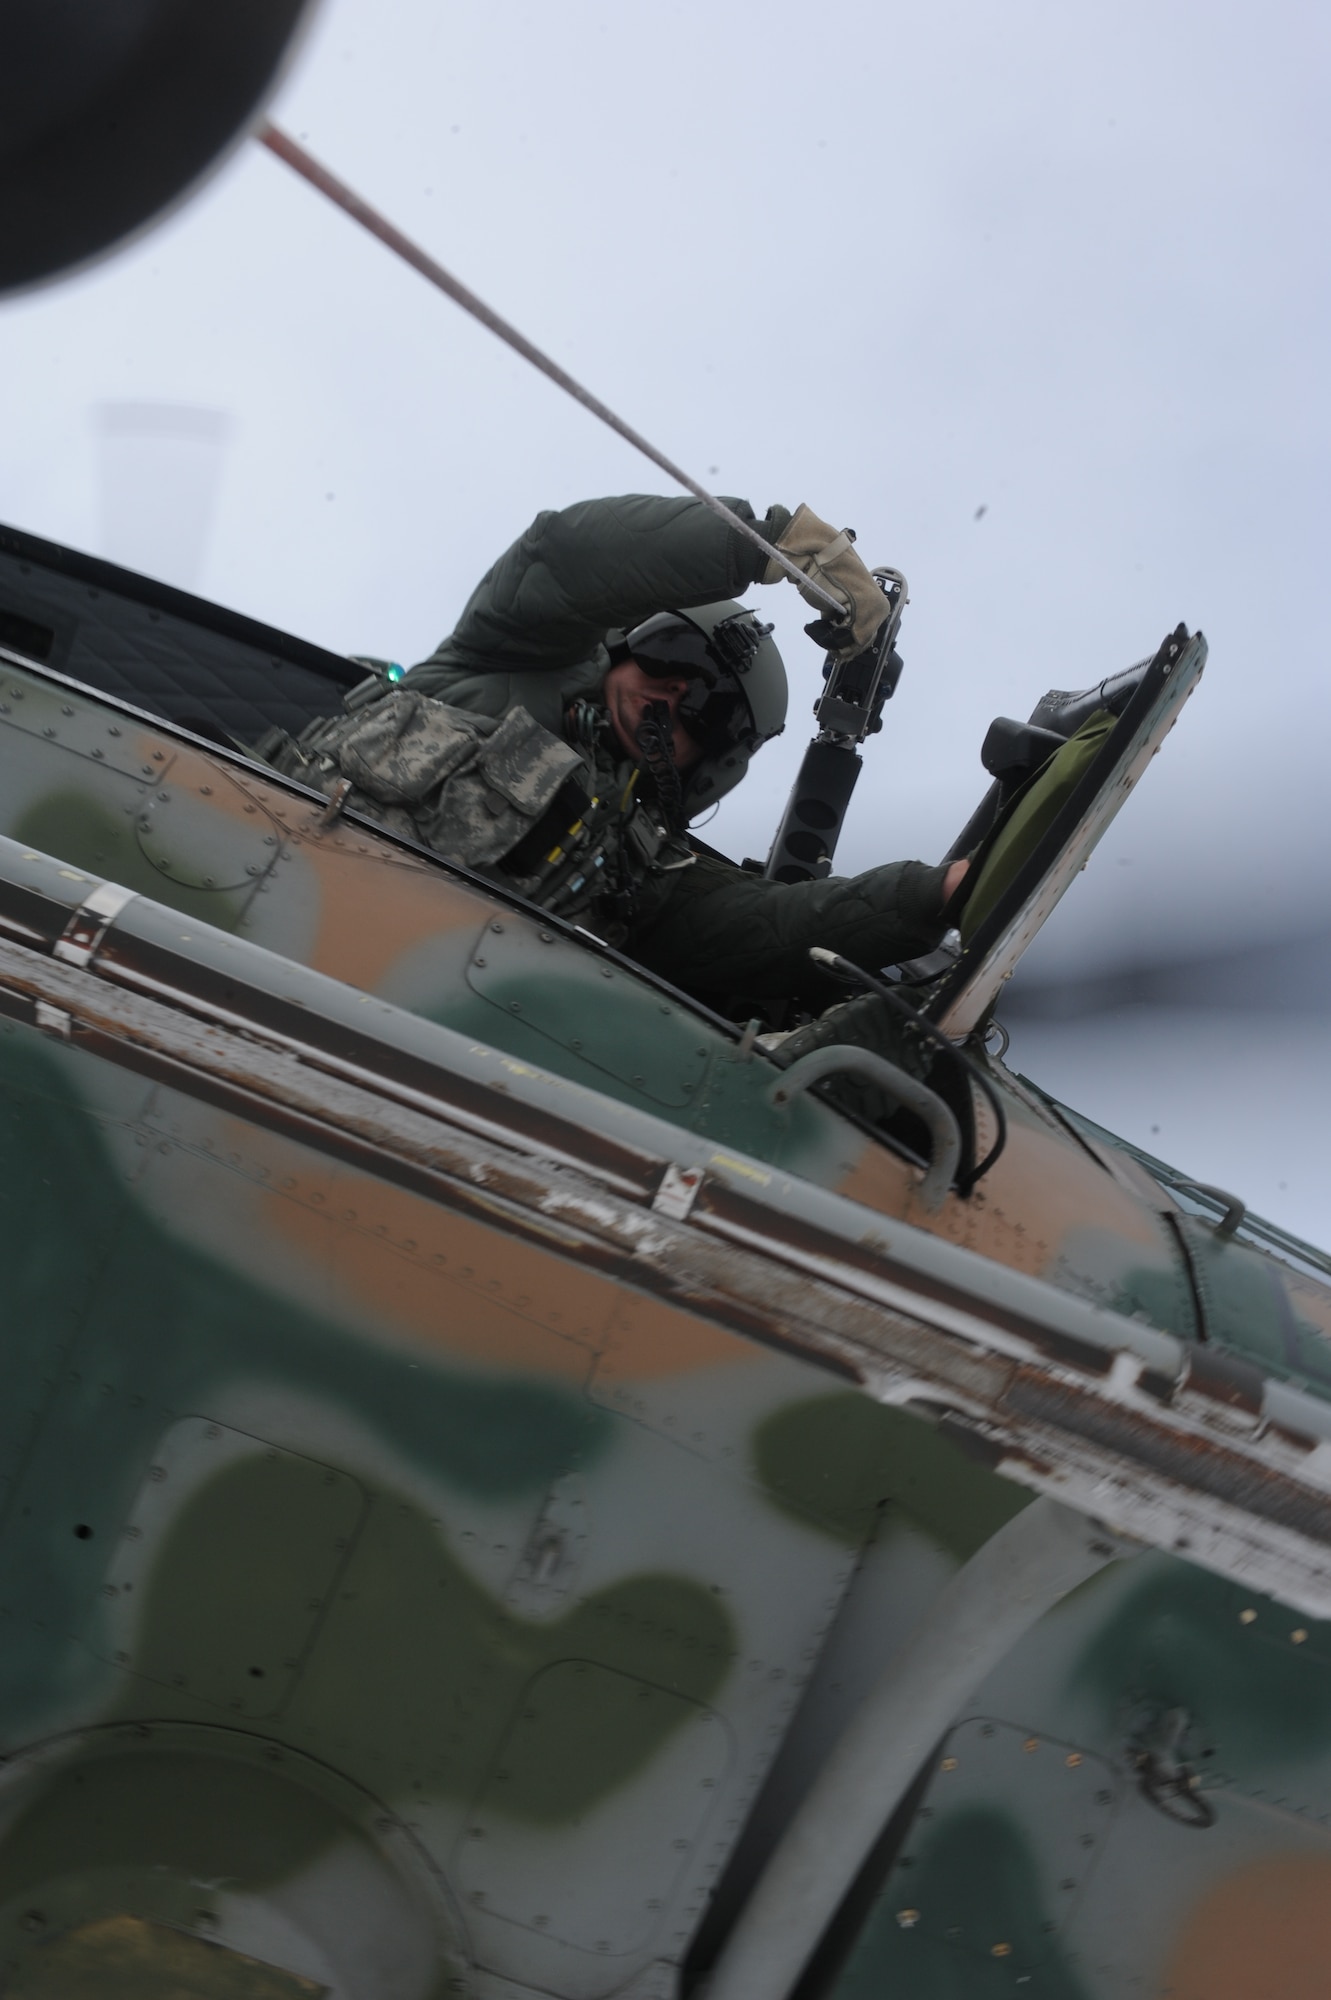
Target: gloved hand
{"points": [[829, 560]]}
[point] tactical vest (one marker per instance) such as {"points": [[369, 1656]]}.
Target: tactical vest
{"points": [[563, 824]]}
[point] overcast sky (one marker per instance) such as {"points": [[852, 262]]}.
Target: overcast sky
{"points": [[1063, 263]]}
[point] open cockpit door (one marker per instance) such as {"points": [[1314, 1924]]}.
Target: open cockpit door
{"points": [[1106, 763]]}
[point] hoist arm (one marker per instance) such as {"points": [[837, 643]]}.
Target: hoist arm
{"points": [[849, 708]]}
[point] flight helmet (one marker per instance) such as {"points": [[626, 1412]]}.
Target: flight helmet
{"points": [[736, 698]]}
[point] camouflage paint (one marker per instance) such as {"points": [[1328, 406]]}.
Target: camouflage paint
{"points": [[1264, 1929], [1261, 1308], [427, 1716], [344, 899], [412, 1668], [1181, 1640], [142, 1796], [836, 1460], [82, 782], [93, 1349], [1050, 1208], [100, 842], [975, 1926], [427, 1400]]}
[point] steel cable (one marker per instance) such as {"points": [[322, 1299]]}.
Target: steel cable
{"points": [[379, 226]]}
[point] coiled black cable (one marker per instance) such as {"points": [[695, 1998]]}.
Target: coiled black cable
{"points": [[655, 737]]}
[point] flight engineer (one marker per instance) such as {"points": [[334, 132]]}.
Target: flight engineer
{"points": [[601, 689]]}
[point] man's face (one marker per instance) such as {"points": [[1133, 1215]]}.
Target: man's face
{"points": [[628, 690]]}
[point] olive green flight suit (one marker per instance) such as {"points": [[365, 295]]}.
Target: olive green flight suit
{"points": [[531, 633]]}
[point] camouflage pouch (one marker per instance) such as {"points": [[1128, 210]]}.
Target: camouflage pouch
{"points": [[394, 751], [404, 747], [488, 804], [465, 785]]}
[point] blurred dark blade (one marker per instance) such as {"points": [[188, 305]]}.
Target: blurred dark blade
{"points": [[110, 112]]}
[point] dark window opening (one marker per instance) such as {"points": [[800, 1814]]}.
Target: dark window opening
{"points": [[25, 635]]}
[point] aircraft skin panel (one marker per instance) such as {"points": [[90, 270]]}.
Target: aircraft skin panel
{"points": [[337, 1525], [1050, 1209], [347, 901], [449, 1468], [1136, 1801], [1148, 1405]]}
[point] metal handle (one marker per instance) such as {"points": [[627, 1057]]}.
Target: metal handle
{"points": [[848, 709], [907, 1091], [1234, 1206]]}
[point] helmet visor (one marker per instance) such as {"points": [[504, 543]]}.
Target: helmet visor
{"points": [[714, 708], [670, 648]]}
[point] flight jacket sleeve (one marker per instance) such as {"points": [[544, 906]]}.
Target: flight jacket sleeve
{"points": [[722, 930], [579, 571]]}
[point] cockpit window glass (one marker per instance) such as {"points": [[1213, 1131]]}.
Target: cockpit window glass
{"points": [[1192, 1198]]}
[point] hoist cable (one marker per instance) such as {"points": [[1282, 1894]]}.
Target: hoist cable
{"points": [[379, 226]]}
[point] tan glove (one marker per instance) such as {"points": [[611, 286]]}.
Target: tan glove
{"points": [[829, 560]]}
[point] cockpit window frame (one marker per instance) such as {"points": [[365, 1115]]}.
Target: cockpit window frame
{"points": [[966, 996]]}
